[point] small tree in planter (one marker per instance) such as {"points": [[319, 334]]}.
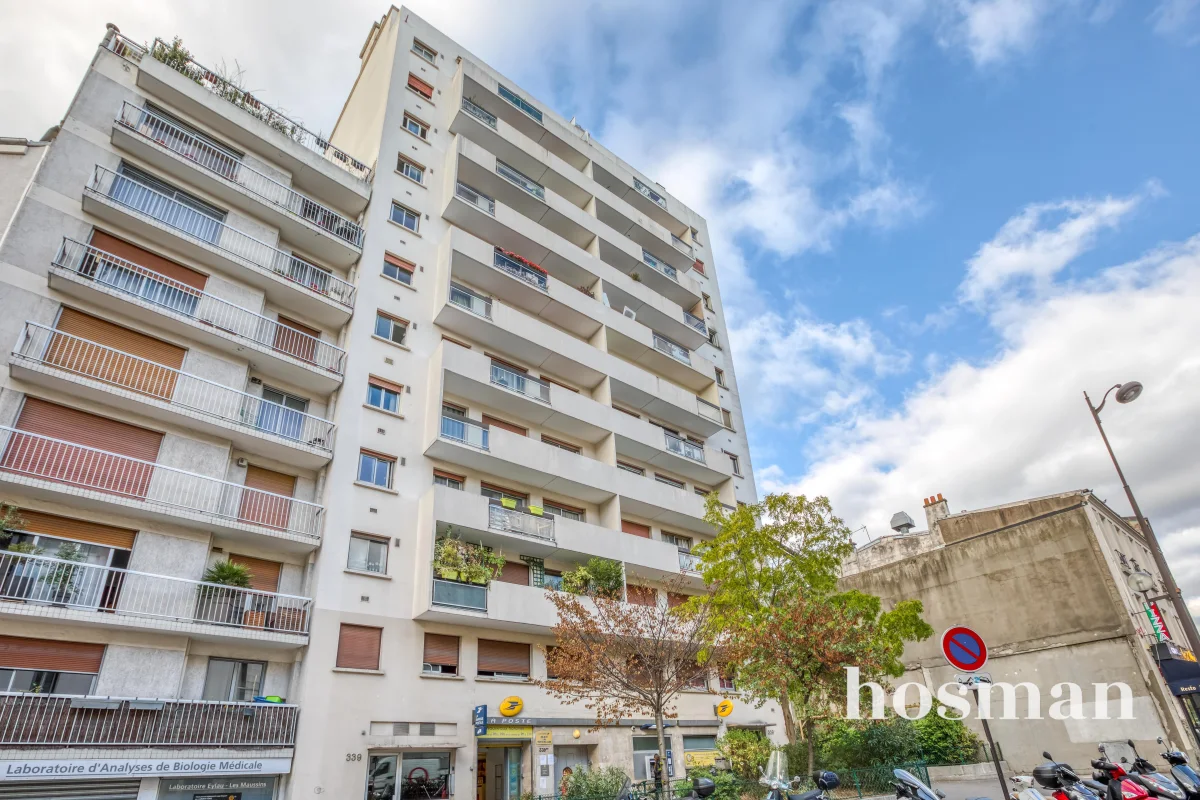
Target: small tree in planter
{"points": [[456, 560], [599, 577], [218, 604]]}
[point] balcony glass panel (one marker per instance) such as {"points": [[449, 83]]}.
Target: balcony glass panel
{"points": [[465, 298], [665, 269], [519, 270], [520, 383], [519, 102], [459, 595], [481, 114], [520, 522], [649, 193], [475, 198], [689, 562], [680, 244], [678, 352], [468, 433], [525, 182], [695, 322], [708, 410], [684, 448]]}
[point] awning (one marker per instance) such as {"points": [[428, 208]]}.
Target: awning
{"points": [[1182, 676]]}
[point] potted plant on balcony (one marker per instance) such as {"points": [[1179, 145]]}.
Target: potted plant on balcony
{"points": [[215, 602], [456, 560], [599, 577]]}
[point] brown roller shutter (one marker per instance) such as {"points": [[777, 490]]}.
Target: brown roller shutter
{"points": [[511, 657], [674, 599], [265, 509], [421, 87], [86, 358], [144, 258], [635, 529], [294, 339], [441, 649], [492, 422], [358, 647], [59, 461], [514, 573], [641, 595], [264, 575], [18, 652], [80, 530]]}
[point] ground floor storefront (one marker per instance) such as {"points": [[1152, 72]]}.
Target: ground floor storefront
{"points": [[164, 778]]}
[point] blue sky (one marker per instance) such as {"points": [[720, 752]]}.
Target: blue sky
{"points": [[936, 222]]}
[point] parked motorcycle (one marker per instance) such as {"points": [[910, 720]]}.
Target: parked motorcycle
{"points": [[780, 787], [910, 787], [1062, 780], [1182, 772], [1119, 785], [1148, 775]]}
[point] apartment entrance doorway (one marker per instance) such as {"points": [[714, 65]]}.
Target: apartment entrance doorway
{"points": [[500, 766]]}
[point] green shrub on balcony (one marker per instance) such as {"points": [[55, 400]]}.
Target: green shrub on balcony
{"points": [[599, 577], [456, 560]]}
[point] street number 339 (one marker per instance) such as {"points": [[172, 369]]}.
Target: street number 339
{"points": [[354, 756]]}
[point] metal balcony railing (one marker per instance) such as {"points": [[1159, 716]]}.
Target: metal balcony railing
{"points": [[476, 198], [465, 298], [48, 720], [675, 351], [125, 47], [229, 166], [465, 432], [650, 194], [695, 322], [519, 102], [519, 270], [256, 108], [520, 522], [685, 448], [78, 356], [481, 114], [520, 383], [708, 410], [39, 580], [459, 595], [665, 269], [681, 245], [517, 177], [174, 297], [138, 198], [689, 562], [33, 456]]}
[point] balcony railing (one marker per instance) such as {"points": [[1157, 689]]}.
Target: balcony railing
{"points": [[689, 562], [48, 720], [519, 102], [481, 114], [519, 270], [681, 245], [256, 108], [459, 595], [465, 298], [226, 165], [665, 269], [650, 194], [42, 581], [525, 182], [685, 448], [520, 522], [465, 432], [475, 198], [174, 297], [695, 322], [520, 383], [675, 351], [140, 199], [709, 411], [88, 359], [33, 456]]}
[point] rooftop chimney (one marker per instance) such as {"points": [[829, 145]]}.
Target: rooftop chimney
{"points": [[901, 522], [936, 509]]}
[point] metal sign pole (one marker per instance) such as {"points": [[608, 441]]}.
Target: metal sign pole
{"points": [[987, 732]]}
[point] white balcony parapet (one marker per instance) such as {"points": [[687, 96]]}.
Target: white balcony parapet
{"points": [[676, 351], [140, 199], [522, 523], [689, 562], [32, 456], [683, 447], [256, 108], [650, 194], [175, 297], [695, 322], [481, 114], [78, 356], [502, 261], [476, 198], [654, 263], [520, 383], [709, 411], [225, 164], [459, 595], [49, 720], [514, 175], [112, 592], [476, 304], [465, 432]]}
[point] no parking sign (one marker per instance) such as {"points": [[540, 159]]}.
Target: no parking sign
{"points": [[964, 649]]}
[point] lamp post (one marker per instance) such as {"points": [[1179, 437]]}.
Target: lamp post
{"points": [[1127, 393]]}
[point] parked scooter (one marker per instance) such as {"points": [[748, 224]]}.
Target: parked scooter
{"points": [[910, 787], [1019, 784], [1182, 772], [1062, 780], [780, 787], [1149, 776], [1119, 785]]}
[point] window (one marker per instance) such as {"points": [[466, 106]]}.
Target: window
{"points": [[501, 494], [669, 481], [727, 418], [384, 395], [695, 236], [390, 328], [448, 479], [281, 413], [552, 579], [186, 212], [503, 659], [431, 770], [398, 269], [358, 647], [636, 470], [700, 490], [375, 469], [405, 217], [441, 654], [558, 510], [548, 379], [720, 377], [368, 553], [646, 746], [415, 126], [424, 51], [708, 302], [699, 743], [410, 169], [713, 338], [570, 448], [727, 683], [42, 681], [420, 87], [451, 410], [230, 680], [683, 543], [735, 462]]}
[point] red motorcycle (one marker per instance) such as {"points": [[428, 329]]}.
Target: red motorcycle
{"points": [[1120, 786]]}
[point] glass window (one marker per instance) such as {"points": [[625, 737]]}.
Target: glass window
{"points": [[405, 217], [375, 470], [446, 479], [383, 398], [381, 777], [425, 52], [668, 480], [389, 328], [708, 302], [552, 580], [500, 494], [239, 681], [681, 542], [425, 775], [42, 681], [559, 511], [699, 743], [636, 470], [720, 377], [453, 411], [367, 553], [415, 126], [410, 169], [570, 448], [727, 418], [398, 269], [736, 463]]}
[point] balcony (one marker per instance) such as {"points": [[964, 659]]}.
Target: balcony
{"points": [[454, 594], [53, 468], [682, 246], [650, 194], [466, 299], [656, 447], [521, 522], [463, 431], [520, 383], [88, 369], [697, 323], [314, 163], [287, 279], [477, 199], [524, 182], [99, 277], [664, 268], [689, 562], [47, 720], [677, 352], [685, 448], [37, 586], [519, 269], [221, 172], [484, 116]]}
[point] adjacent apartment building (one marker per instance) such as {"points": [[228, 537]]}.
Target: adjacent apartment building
{"points": [[236, 340]]}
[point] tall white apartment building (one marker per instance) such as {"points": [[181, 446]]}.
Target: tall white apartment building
{"points": [[236, 340]]}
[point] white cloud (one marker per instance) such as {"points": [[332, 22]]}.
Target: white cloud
{"points": [[994, 31], [1177, 18]]}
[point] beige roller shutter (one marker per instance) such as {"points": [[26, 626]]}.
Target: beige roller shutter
{"points": [[510, 657], [635, 529], [80, 530], [139, 364], [358, 647], [144, 258], [441, 649], [295, 339], [264, 574], [19, 652], [264, 509], [514, 572], [492, 422]]}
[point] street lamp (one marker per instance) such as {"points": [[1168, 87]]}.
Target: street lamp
{"points": [[1127, 393]]}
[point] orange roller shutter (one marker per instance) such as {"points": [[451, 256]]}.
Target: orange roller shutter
{"points": [[358, 647], [144, 258], [18, 652], [82, 355], [421, 87], [264, 509], [79, 530], [264, 574], [511, 657], [441, 649], [635, 529], [296, 340], [492, 422]]}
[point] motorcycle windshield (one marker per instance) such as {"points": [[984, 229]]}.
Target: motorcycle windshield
{"points": [[777, 768], [922, 791]]}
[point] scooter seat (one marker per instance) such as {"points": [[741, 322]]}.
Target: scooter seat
{"points": [[811, 794]]}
